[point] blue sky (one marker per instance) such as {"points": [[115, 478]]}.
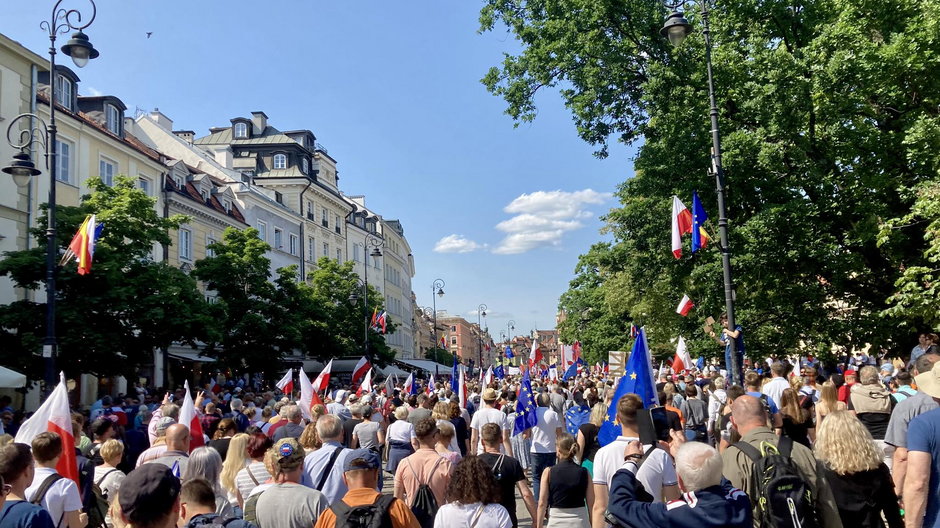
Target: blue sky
{"points": [[392, 90]]}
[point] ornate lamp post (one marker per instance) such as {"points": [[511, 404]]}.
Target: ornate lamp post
{"points": [[22, 167], [437, 290], [676, 29], [481, 313], [375, 243]]}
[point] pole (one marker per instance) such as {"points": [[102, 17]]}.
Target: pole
{"points": [[720, 188], [365, 307], [50, 345]]}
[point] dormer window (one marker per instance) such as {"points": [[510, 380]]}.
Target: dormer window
{"points": [[305, 165], [205, 195], [241, 130], [113, 119], [63, 91], [227, 204], [178, 180], [280, 161]]}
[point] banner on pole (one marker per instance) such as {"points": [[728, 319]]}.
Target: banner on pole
{"points": [[617, 359]]}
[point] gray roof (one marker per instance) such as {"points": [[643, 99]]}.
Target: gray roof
{"points": [[270, 136]]}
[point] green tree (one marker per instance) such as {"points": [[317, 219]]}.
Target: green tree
{"points": [[343, 330], [439, 355], [829, 114], [108, 322]]}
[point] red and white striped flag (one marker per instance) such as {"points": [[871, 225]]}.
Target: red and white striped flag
{"points": [[361, 368], [685, 306], [190, 419], [462, 392], [54, 416], [323, 380], [681, 361], [366, 386], [681, 224], [286, 384]]}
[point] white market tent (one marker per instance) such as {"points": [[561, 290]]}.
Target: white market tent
{"points": [[11, 379]]}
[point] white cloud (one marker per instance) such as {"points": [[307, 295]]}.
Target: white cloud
{"points": [[94, 92], [542, 218], [457, 244]]}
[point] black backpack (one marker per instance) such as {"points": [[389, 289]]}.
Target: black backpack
{"points": [[98, 510], [373, 515], [424, 504], [781, 497]]}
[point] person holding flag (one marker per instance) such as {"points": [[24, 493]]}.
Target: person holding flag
{"points": [[57, 494], [635, 391]]}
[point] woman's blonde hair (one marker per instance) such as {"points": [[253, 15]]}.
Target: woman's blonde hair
{"points": [[796, 382], [790, 405], [828, 397], [111, 449], [309, 439], [441, 411], [446, 431], [598, 414], [566, 446], [845, 446], [235, 459]]}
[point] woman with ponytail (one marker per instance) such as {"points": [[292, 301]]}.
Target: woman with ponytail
{"points": [[568, 494]]}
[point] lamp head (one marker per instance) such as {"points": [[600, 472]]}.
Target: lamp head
{"points": [[21, 168], [80, 49], [353, 298], [676, 28], [440, 292], [376, 253]]}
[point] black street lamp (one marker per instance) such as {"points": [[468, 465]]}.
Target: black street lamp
{"points": [[676, 29], [437, 290], [375, 243], [22, 167], [481, 313]]}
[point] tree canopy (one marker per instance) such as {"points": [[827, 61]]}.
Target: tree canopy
{"points": [[829, 110]]}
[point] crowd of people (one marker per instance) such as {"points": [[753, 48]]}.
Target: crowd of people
{"points": [[798, 444]]}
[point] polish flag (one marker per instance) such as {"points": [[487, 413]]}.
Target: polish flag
{"points": [[409, 387], [287, 382], [54, 416], [462, 392], [308, 396], [190, 419], [685, 305], [366, 386], [323, 380], [681, 224], [430, 388], [361, 368], [488, 377], [535, 355], [681, 361]]}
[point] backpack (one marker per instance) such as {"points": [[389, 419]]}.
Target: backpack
{"points": [[98, 509], [781, 497], [424, 503], [373, 515], [250, 511], [43, 489]]}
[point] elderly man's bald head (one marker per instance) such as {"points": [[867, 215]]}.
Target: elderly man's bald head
{"points": [[177, 438], [748, 412]]}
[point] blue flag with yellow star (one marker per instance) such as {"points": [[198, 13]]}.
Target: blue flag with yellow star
{"points": [[526, 416], [637, 379]]}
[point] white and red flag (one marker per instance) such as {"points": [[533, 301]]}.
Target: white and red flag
{"points": [[431, 387], [535, 355], [409, 386], [681, 224], [286, 384], [681, 361], [323, 380], [190, 419], [308, 396], [462, 390], [54, 416], [366, 386], [685, 306], [361, 368], [488, 377]]}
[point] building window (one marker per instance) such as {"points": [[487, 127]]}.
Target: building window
{"points": [[262, 230], [304, 165], [337, 224], [278, 238], [178, 180], [278, 197], [144, 185], [241, 130], [356, 252], [339, 255], [326, 249], [113, 119], [453, 340], [106, 171], [280, 161], [64, 162], [63, 91], [293, 243], [311, 249], [205, 195], [453, 328], [227, 204], [186, 244], [325, 218], [209, 241]]}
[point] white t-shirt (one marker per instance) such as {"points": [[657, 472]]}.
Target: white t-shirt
{"points": [[488, 415], [62, 496], [774, 389], [456, 515], [401, 431], [543, 434], [655, 473]]}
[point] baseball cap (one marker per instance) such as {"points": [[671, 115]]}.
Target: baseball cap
{"points": [[288, 454], [148, 493], [490, 394], [850, 372], [888, 367], [362, 459], [163, 424]]}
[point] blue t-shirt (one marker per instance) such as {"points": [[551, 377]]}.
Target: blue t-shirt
{"points": [[922, 435], [769, 400], [22, 514], [738, 341]]}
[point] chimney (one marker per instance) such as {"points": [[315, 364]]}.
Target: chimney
{"points": [[129, 125], [259, 122], [161, 120], [185, 135], [223, 157]]}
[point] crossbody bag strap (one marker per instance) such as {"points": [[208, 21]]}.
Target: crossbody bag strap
{"points": [[328, 468], [44, 488], [748, 450], [99, 481], [251, 474], [476, 516]]}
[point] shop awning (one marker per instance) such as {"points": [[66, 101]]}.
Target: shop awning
{"points": [[11, 379]]}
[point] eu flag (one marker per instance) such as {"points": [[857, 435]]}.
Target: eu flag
{"points": [[572, 371], [509, 352], [637, 379], [699, 236], [498, 372], [526, 415], [455, 378]]}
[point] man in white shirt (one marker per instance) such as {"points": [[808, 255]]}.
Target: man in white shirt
{"points": [[657, 473], [60, 496], [778, 383], [489, 414], [544, 434]]}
